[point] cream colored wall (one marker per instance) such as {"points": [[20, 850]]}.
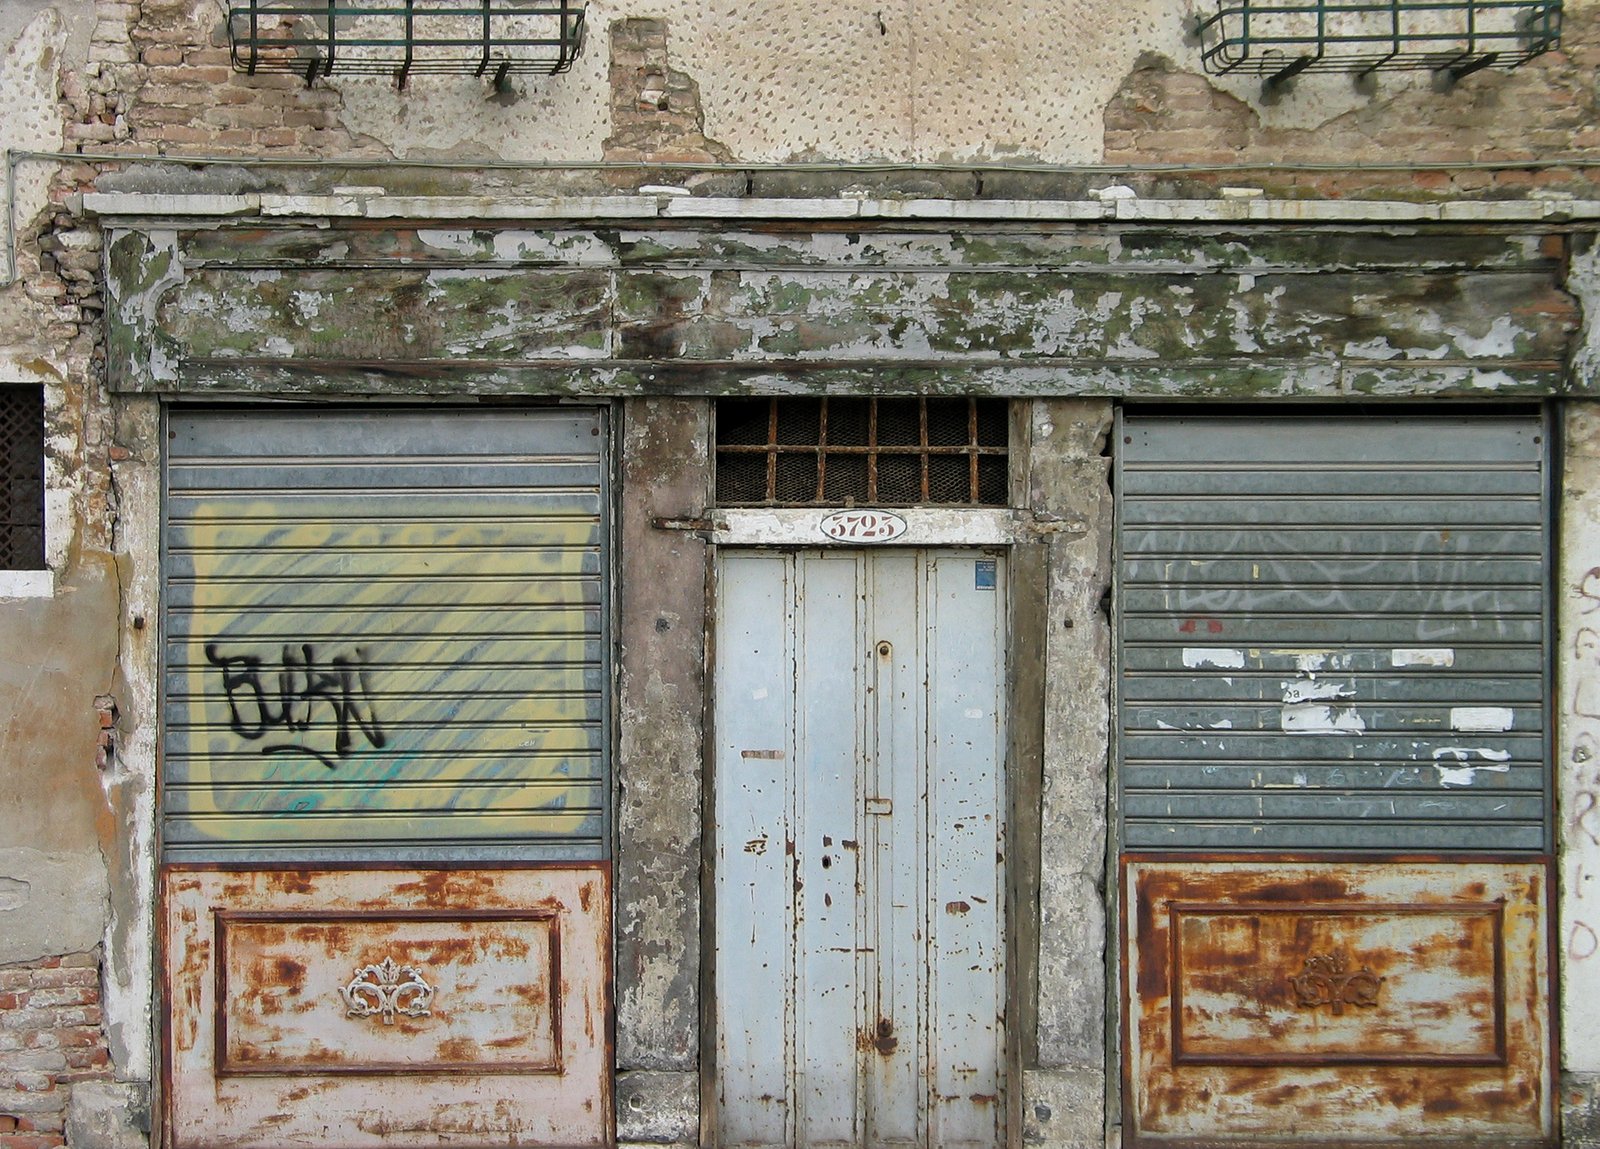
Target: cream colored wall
{"points": [[857, 81]]}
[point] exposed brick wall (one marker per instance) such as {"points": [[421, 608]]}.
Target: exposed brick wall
{"points": [[1545, 111], [655, 109], [59, 270], [50, 1038], [159, 79]]}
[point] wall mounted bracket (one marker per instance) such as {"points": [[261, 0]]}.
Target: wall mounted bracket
{"points": [[492, 39], [1279, 39]]}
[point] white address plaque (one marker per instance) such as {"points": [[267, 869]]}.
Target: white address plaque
{"points": [[855, 526]]}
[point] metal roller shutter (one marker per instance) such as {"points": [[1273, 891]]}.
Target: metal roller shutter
{"points": [[385, 636], [1332, 633]]}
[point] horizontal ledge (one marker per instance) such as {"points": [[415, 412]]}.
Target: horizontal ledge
{"points": [[591, 378], [924, 526], [375, 204]]}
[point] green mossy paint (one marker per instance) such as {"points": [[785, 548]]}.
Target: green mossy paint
{"points": [[642, 295], [137, 273]]}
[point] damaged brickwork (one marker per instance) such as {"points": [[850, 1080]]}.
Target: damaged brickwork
{"points": [[50, 1039], [1539, 114], [655, 109]]}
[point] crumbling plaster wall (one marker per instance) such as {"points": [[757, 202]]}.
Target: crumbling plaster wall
{"points": [[864, 80], [64, 785], [52, 872], [847, 81], [1064, 1089], [1577, 747], [665, 474]]}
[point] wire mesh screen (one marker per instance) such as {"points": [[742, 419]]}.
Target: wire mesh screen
{"points": [[1279, 38], [22, 483], [877, 452], [489, 38]]}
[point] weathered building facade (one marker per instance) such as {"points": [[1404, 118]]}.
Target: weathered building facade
{"points": [[821, 577]]}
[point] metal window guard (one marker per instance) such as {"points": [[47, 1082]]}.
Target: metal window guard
{"points": [[1282, 38], [401, 38]]}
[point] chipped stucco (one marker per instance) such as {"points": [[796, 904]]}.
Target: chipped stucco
{"points": [[851, 81]]}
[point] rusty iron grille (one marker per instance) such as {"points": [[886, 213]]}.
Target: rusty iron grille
{"points": [[1280, 38], [492, 39], [844, 452], [22, 489]]}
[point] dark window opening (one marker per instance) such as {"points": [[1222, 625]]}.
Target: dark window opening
{"points": [[22, 481], [870, 452]]}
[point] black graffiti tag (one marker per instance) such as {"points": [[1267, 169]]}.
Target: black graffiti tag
{"points": [[310, 701]]}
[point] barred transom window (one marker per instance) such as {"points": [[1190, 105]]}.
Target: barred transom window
{"points": [[870, 452], [22, 478]]}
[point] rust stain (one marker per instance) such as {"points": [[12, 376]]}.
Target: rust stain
{"points": [[444, 951], [585, 896], [1271, 994], [290, 974], [535, 995], [457, 1049], [448, 889], [882, 1039], [958, 907], [508, 946], [290, 882], [1152, 979], [333, 937]]}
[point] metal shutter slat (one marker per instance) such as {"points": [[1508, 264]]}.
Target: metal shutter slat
{"points": [[1332, 633], [385, 636]]}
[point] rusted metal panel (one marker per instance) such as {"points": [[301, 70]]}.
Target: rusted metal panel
{"points": [[387, 1007], [267, 1024], [1283, 1002]]}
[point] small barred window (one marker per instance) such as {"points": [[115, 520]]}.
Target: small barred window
{"points": [[22, 481], [867, 452]]}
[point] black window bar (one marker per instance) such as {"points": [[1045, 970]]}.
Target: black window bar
{"points": [[1279, 39], [402, 38], [21, 478]]}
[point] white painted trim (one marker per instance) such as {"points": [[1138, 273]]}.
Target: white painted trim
{"points": [[127, 205], [143, 204], [27, 584], [925, 527]]}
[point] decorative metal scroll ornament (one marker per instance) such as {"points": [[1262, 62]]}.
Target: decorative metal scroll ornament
{"points": [[387, 989], [1326, 980]]}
